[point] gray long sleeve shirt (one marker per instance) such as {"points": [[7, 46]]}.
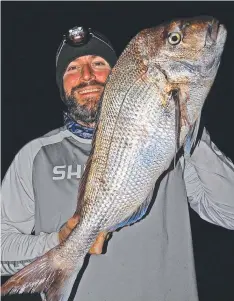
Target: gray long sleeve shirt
{"points": [[151, 260]]}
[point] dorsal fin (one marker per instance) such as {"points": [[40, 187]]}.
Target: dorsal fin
{"points": [[84, 177]]}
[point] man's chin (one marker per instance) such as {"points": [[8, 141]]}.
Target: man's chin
{"points": [[84, 111], [89, 105]]}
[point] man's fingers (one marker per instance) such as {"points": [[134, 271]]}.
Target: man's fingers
{"points": [[72, 222], [98, 244], [70, 225]]}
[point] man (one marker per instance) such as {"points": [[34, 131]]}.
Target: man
{"points": [[47, 168], [151, 260]]}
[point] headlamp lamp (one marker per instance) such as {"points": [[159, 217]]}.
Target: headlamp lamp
{"points": [[77, 36]]}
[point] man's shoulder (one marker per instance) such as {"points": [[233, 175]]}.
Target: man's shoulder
{"points": [[52, 137], [54, 132]]}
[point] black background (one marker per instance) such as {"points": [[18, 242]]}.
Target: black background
{"points": [[31, 106]]}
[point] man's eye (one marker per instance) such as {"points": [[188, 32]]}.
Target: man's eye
{"points": [[99, 63], [72, 68]]}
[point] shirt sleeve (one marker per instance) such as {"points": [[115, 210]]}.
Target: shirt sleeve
{"points": [[209, 181], [18, 246]]}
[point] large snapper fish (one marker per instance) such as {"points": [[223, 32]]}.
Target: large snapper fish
{"points": [[150, 109]]}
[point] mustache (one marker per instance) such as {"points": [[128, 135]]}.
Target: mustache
{"points": [[87, 84]]}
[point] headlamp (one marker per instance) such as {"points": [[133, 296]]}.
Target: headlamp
{"points": [[77, 36]]}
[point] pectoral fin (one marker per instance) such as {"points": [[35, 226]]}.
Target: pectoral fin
{"points": [[175, 97], [192, 137]]}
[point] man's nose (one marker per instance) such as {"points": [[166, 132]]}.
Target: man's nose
{"points": [[87, 73]]}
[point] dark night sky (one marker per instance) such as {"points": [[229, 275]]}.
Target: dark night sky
{"points": [[31, 33]]}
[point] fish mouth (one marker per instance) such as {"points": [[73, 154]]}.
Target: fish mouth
{"points": [[212, 30], [215, 40], [215, 32]]}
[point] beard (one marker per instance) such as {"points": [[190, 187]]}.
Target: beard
{"points": [[86, 112]]}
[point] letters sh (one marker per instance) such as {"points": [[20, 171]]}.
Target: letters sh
{"points": [[66, 171]]}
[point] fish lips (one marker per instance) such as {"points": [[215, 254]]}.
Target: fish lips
{"points": [[222, 35], [215, 33]]}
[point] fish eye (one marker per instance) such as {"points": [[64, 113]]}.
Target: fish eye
{"points": [[174, 38]]}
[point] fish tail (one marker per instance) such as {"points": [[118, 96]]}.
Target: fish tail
{"points": [[46, 276]]}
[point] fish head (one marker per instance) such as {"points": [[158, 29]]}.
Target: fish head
{"points": [[183, 55], [184, 50]]}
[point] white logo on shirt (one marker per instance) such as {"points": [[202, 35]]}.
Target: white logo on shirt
{"points": [[65, 171]]}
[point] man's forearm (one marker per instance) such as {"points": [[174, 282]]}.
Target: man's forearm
{"points": [[209, 180], [18, 250]]}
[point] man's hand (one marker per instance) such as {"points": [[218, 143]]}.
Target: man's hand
{"points": [[98, 244], [71, 224]]}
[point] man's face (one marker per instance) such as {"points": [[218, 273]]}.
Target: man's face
{"points": [[83, 83]]}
